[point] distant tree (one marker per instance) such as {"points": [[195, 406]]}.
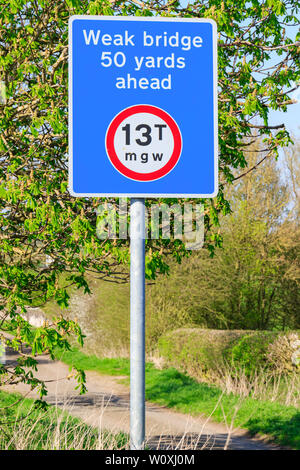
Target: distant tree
{"points": [[289, 246], [38, 216], [253, 280], [250, 257], [292, 164]]}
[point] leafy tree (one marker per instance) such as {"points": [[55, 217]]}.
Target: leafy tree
{"points": [[258, 69]]}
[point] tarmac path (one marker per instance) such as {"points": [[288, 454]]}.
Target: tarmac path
{"points": [[106, 404]]}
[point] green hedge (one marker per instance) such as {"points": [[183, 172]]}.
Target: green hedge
{"points": [[203, 353]]}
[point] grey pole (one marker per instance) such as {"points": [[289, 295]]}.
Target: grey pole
{"points": [[137, 323]]}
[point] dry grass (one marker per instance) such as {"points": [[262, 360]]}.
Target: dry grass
{"points": [[157, 360], [113, 352], [57, 429], [274, 387]]}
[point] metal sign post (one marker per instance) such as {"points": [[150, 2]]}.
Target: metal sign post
{"points": [[137, 324], [142, 95]]}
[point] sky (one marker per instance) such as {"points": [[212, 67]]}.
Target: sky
{"points": [[291, 118]]}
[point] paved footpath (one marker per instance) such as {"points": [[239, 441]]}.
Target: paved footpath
{"points": [[106, 404]]}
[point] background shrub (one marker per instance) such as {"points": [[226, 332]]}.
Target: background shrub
{"points": [[250, 352], [203, 353]]}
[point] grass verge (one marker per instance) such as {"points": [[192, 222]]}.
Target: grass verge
{"points": [[173, 389], [23, 427]]}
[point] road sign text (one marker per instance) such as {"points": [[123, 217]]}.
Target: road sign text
{"points": [[119, 59]]}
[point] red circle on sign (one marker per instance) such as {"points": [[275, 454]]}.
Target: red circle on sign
{"points": [[111, 151]]}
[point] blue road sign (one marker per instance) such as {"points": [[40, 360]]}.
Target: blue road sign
{"points": [[142, 107]]}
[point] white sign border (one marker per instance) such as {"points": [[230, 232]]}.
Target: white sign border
{"points": [[70, 106]]}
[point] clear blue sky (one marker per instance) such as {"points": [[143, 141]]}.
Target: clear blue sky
{"points": [[291, 118]]}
